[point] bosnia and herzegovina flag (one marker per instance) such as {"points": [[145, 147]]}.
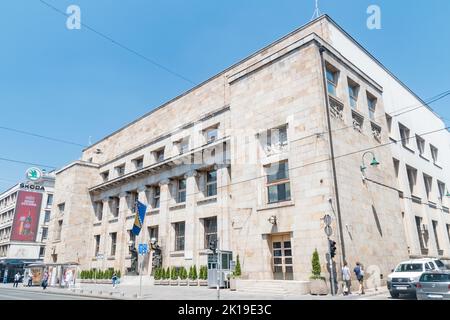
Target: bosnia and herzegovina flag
{"points": [[140, 216]]}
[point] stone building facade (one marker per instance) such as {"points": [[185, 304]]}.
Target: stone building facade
{"points": [[245, 158]]}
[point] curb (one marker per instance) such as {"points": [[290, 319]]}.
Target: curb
{"points": [[105, 297]]}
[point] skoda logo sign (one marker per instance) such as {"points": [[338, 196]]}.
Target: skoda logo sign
{"points": [[34, 174]]}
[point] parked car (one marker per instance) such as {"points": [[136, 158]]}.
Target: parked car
{"points": [[404, 277], [434, 285]]}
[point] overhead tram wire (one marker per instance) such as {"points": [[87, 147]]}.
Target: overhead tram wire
{"points": [[309, 164], [176, 74], [28, 163]]}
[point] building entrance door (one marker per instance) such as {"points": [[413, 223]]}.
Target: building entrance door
{"points": [[282, 258]]}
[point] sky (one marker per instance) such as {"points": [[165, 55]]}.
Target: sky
{"points": [[76, 86]]}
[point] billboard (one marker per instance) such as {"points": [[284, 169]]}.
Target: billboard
{"points": [[26, 219]]}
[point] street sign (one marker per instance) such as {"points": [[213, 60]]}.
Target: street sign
{"points": [[143, 248], [328, 231], [327, 220]]}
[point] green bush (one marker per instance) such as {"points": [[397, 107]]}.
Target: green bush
{"points": [[194, 273], [167, 274], [174, 274], [316, 269], [183, 273], [237, 270], [203, 273], [157, 274]]}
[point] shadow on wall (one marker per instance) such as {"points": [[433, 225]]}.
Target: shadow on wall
{"points": [[377, 220]]}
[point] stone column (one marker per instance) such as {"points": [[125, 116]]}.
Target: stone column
{"points": [[122, 236], [223, 215], [191, 221], [164, 239]]}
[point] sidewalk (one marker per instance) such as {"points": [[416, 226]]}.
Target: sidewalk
{"points": [[131, 292]]}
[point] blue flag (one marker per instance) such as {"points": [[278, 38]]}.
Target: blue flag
{"points": [[140, 216]]}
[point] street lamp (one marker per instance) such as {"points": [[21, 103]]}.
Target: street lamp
{"points": [[373, 163]]}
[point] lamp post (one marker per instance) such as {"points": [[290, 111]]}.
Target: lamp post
{"points": [[373, 163]]}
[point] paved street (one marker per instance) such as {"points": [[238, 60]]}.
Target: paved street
{"points": [[21, 294]]}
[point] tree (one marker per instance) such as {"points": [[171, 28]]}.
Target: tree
{"points": [[237, 270], [174, 274], [190, 273], [183, 273], [316, 269], [167, 274], [157, 274], [194, 272]]}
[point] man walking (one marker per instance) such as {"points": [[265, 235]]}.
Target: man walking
{"points": [[44, 280], [359, 272], [30, 279], [346, 277], [16, 279]]}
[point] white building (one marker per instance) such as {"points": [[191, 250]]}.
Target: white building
{"points": [[15, 250]]}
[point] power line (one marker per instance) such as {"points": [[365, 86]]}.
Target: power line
{"points": [[42, 136], [28, 163]]}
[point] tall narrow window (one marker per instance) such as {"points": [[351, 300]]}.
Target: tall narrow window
{"points": [[61, 208], [441, 187], [278, 185], [156, 197], [396, 167], [120, 170], [210, 225], [99, 210], [44, 234], [389, 123], [96, 245], [179, 236], [434, 153], [372, 104], [332, 78], [353, 90], [59, 230], [47, 216], [428, 181], [49, 200], [133, 198], [115, 206], [412, 177], [420, 232], [211, 183], [113, 237], [181, 191], [420, 145], [404, 135], [153, 233], [435, 227], [132, 237]]}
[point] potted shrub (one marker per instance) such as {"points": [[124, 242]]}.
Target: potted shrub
{"points": [[183, 277], [165, 277], [193, 278], [236, 274], [318, 284], [203, 276], [157, 277], [174, 277]]}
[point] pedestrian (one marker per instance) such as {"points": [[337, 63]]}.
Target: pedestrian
{"points": [[16, 279], [44, 280], [359, 272], [30, 278], [5, 277], [69, 278], [346, 277], [114, 280]]}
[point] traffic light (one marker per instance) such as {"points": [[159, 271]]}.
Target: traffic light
{"points": [[332, 248], [213, 246]]}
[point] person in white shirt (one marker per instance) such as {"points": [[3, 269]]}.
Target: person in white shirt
{"points": [[346, 277]]}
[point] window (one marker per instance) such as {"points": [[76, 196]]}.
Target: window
{"points": [[96, 245], [353, 90], [138, 163], [435, 226], [47, 216], [210, 225], [105, 176], [59, 230], [41, 251], [412, 178], [441, 187], [389, 122], [179, 236], [396, 167], [448, 231], [49, 200], [420, 232], [434, 153], [404, 134], [153, 233], [61, 208], [113, 243], [183, 145], [428, 181], [99, 210], [278, 185], [120, 170], [372, 104], [181, 191], [115, 206], [211, 134], [159, 155], [211, 183], [277, 137], [133, 198], [44, 234], [420, 145], [332, 78], [156, 197]]}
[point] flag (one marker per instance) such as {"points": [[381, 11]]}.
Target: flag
{"points": [[139, 219]]}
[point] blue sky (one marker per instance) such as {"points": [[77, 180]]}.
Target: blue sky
{"points": [[73, 84]]}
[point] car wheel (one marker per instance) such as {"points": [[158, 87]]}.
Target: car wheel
{"points": [[394, 294]]}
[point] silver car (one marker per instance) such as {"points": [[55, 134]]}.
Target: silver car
{"points": [[434, 285]]}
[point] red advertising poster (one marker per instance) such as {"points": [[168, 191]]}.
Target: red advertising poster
{"points": [[26, 219]]}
